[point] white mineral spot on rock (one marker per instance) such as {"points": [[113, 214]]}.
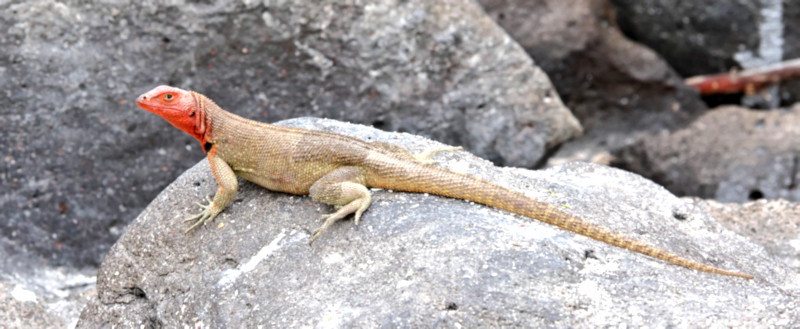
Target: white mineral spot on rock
{"points": [[333, 258], [231, 275], [23, 295]]}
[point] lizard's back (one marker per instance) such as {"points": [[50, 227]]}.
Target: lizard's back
{"points": [[282, 158]]}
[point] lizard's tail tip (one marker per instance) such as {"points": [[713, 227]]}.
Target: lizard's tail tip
{"points": [[735, 274], [742, 275]]}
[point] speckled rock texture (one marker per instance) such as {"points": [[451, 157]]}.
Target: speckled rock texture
{"points": [[80, 160], [420, 260], [770, 223], [20, 310]]}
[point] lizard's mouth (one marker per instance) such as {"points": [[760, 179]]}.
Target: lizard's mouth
{"points": [[149, 104], [142, 102]]}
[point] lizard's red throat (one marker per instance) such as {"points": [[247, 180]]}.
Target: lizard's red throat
{"points": [[179, 107]]}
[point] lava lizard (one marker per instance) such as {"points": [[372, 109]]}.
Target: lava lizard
{"points": [[336, 169]]}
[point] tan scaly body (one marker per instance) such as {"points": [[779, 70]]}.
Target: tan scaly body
{"points": [[338, 170]]}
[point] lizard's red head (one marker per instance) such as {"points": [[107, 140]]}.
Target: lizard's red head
{"points": [[179, 107]]}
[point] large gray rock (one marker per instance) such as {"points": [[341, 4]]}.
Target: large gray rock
{"points": [[619, 89], [80, 160], [730, 154], [419, 260]]}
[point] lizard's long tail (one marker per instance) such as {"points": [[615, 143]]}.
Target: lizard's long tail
{"points": [[434, 180]]}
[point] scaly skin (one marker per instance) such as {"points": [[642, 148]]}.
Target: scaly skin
{"points": [[337, 170]]}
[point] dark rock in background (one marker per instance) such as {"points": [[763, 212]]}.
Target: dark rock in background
{"points": [[790, 89], [695, 37], [619, 90], [730, 154], [80, 160], [701, 37], [625, 93], [729, 158], [419, 260]]}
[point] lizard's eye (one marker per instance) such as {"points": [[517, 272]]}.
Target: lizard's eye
{"points": [[168, 97]]}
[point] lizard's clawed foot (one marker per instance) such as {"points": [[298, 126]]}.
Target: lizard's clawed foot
{"points": [[315, 234], [204, 217], [344, 189], [329, 220], [358, 206]]}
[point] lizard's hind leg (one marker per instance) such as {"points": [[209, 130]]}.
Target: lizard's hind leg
{"points": [[343, 188]]}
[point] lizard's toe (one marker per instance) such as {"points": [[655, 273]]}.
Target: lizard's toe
{"points": [[315, 234]]}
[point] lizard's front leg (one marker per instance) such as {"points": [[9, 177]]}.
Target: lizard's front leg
{"points": [[343, 188], [228, 185]]}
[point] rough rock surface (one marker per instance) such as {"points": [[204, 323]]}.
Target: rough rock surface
{"points": [[620, 90], [80, 160], [419, 260], [730, 154], [21, 311], [770, 223]]}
